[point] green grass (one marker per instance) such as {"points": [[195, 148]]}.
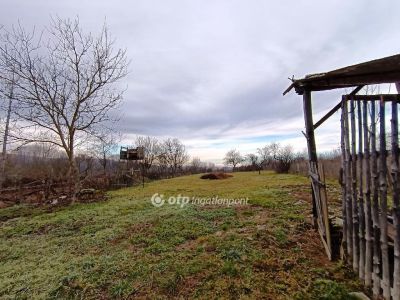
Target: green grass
{"points": [[127, 248]]}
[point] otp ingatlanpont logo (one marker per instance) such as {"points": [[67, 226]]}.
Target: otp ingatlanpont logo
{"points": [[157, 200]]}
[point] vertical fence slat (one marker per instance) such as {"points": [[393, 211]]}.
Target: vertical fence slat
{"points": [[347, 171], [385, 282], [361, 231], [375, 207], [396, 204], [343, 177], [367, 196], [356, 248], [365, 187]]}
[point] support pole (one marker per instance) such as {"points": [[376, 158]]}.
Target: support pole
{"points": [[343, 180], [375, 207], [347, 180], [361, 212], [319, 201], [385, 282], [367, 196], [312, 150], [356, 245]]}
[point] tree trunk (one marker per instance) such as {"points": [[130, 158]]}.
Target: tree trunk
{"points": [[73, 176], [5, 140], [104, 163]]}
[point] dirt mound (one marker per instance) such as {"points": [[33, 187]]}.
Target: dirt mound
{"points": [[216, 176]]}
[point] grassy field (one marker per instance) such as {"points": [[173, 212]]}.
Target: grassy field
{"points": [[127, 248]]}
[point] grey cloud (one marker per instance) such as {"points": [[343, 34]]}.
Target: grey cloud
{"points": [[202, 68]]}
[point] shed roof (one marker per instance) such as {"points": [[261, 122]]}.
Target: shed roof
{"points": [[383, 70]]}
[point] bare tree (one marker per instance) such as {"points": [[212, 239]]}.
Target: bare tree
{"points": [[173, 155], [196, 165], [152, 150], [6, 92], [254, 161], [265, 155], [104, 146], [284, 157], [65, 83], [210, 166], [233, 157]]}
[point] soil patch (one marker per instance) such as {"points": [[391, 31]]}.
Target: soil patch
{"points": [[216, 176]]}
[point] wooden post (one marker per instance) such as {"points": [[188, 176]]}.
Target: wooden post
{"points": [[375, 207], [319, 202], [396, 202], [385, 283], [361, 232], [356, 245], [343, 177], [312, 150], [367, 196], [347, 172]]}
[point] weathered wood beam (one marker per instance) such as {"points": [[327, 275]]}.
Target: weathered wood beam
{"points": [[367, 196], [385, 282], [356, 245], [379, 97], [361, 231], [308, 118], [342, 180], [347, 179], [336, 108], [375, 207], [312, 152], [328, 115], [313, 168], [313, 84]]}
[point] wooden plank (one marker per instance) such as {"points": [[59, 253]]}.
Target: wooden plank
{"points": [[386, 97], [341, 82], [385, 282]]}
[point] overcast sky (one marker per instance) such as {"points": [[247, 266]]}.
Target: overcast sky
{"points": [[212, 73]]}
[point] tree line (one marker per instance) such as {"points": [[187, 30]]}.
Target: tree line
{"points": [[272, 156]]}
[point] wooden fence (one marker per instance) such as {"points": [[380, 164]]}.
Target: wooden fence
{"points": [[371, 210]]}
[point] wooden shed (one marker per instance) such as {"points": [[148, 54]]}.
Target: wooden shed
{"points": [[371, 224]]}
